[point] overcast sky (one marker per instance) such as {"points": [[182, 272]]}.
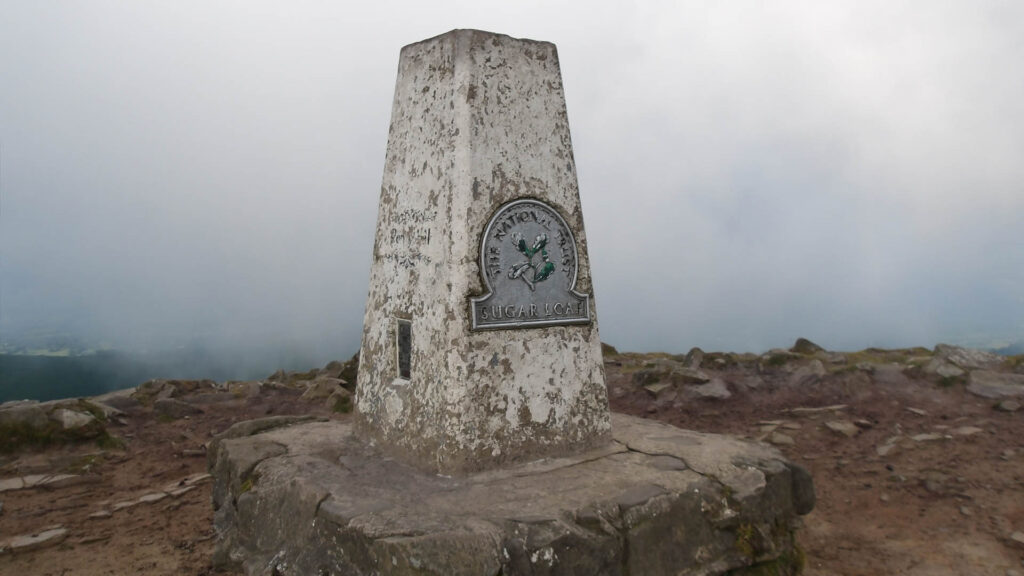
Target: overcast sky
{"points": [[750, 172]]}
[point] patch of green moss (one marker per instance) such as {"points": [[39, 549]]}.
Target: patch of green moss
{"points": [[649, 376], [950, 381], [790, 563], [248, 484], [106, 441], [744, 535], [883, 356], [778, 359], [342, 404], [350, 371], [15, 436], [84, 464], [304, 375], [719, 360], [841, 368]]}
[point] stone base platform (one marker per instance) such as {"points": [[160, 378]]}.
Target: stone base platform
{"points": [[313, 499]]}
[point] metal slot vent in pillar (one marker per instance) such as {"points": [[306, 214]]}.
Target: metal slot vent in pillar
{"points": [[403, 348]]}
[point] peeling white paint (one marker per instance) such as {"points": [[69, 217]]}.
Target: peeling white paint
{"points": [[546, 554], [478, 120]]}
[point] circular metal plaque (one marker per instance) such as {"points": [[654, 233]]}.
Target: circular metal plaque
{"points": [[528, 261]]}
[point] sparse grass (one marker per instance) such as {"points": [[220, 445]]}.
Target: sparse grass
{"points": [[950, 381], [790, 563], [883, 356], [744, 536], [86, 406], [342, 404], [84, 464], [649, 376], [841, 368], [248, 484], [719, 360], [107, 441], [15, 436], [304, 375], [777, 360], [350, 371], [630, 368]]}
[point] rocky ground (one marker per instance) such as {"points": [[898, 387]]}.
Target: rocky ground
{"points": [[917, 456]]}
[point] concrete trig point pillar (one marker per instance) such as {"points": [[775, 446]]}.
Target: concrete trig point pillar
{"points": [[480, 344], [480, 349]]}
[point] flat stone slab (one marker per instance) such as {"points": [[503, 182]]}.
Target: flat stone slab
{"points": [[42, 539], [47, 480], [995, 384], [315, 499]]}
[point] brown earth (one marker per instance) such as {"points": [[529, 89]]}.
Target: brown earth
{"points": [[947, 503]]}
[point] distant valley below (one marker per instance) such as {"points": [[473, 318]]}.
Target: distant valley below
{"points": [[48, 373], [49, 376]]}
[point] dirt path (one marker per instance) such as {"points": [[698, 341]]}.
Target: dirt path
{"points": [[170, 536], [945, 503]]}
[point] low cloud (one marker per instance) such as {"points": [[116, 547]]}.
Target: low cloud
{"points": [[210, 173]]}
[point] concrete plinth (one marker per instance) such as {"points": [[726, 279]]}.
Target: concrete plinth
{"points": [[315, 499]]}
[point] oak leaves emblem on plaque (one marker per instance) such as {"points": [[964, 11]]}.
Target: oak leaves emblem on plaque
{"points": [[546, 266]]}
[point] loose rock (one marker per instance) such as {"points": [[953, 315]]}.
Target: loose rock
{"points": [[808, 373], [322, 388], [1008, 406], [805, 346], [843, 427], [886, 449], [715, 390], [152, 390], [816, 410], [28, 413], [929, 437], [657, 389], [154, 497], [995, 384], [45, 538], [943, 369], [71, 419], [340, 401], [174, 408], [966, 358], [694, 358]]}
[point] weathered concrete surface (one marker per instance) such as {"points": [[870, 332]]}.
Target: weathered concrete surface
{"points": [[314, 499], [478, 120]]}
